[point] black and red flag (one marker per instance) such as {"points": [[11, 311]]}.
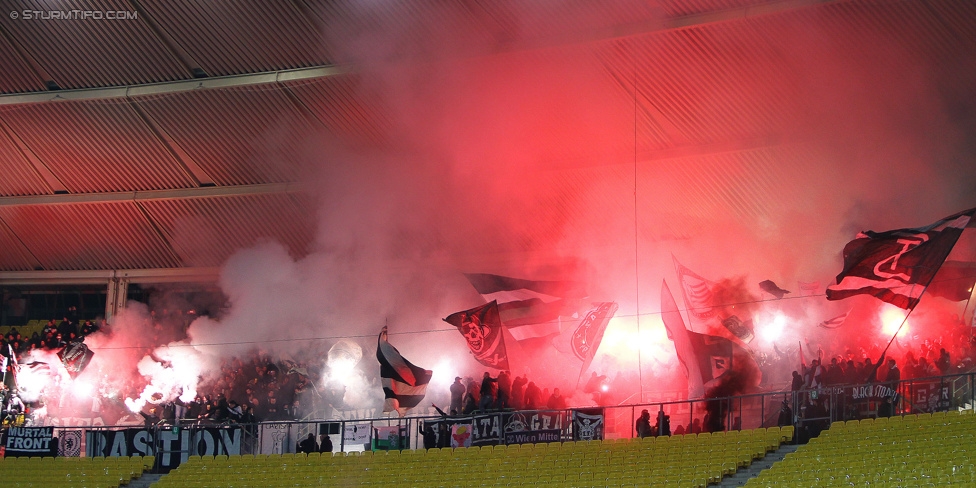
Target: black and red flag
{"points": [[482, 329], [896, 266], [714, 365], [535, 309]]}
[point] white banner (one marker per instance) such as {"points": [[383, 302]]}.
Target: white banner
{"points": [[356, 434], [277, 439]]}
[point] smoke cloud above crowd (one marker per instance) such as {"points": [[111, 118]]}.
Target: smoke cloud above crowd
{"points": [[544, 151]]}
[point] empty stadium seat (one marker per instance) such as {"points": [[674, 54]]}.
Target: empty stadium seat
{"points": [[682, 461], [914, 450], [72, 472]]}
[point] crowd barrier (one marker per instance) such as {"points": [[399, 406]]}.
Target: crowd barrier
{"points": [[173, 443]]}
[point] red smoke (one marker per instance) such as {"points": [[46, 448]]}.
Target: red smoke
{"points": [[753, 148]]}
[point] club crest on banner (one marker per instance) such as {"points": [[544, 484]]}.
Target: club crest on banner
{"points": [[707, 313], [588, 424], [69, 444], [477, 334], [516, 423]]}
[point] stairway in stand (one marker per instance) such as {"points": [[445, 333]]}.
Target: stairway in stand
{"points": [[743, 475], [144, 481]]}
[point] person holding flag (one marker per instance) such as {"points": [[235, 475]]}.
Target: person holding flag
{"points": [[897, 266]]}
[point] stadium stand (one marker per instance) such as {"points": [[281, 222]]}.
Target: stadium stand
{"points": [[25, 330], [682, 460], [72, 472], [914, 450]]}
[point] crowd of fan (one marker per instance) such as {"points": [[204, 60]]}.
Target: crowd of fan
{"points": [[930, 360], [950, 350], [255, 390], [507, 393], [245, 391], [809, 410], [260, 388], [54, 336]]}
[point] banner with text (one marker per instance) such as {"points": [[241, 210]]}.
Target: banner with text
{"points": [[29, 441], [170, 446], [932, 396], [498, 428], [532, 436], [357, 435], [277, 438]]}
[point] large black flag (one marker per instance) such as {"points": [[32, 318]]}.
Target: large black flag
{"points": [[896, 266], [482, 328], [404, 384]]}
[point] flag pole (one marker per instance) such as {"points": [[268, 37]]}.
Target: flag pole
{"points": [[874, 371], [944, 223], [966, 309]]}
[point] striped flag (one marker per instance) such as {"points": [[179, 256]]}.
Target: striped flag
{"points": [[14, 366], [896, 266], [683, 343], [404, 384], [836, 321], [530, 308], [706, 312]]}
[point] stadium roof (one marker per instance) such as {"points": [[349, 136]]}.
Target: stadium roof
{"points": [[118, 136]]}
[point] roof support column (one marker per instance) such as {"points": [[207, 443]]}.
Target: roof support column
{"points": [[118, 294]]}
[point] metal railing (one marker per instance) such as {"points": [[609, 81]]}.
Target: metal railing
{"points": [[811, 410]]}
